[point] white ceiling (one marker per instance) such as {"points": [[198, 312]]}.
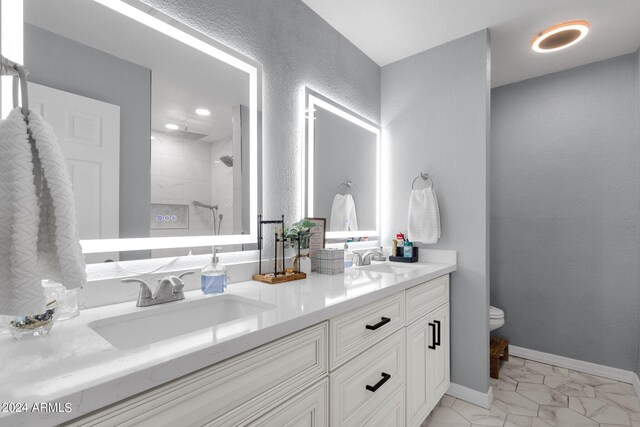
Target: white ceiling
{"points": [[390, 30]]}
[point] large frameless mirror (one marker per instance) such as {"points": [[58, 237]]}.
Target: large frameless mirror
{"points": [[159, 124]]}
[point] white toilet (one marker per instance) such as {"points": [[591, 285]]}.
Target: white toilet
{"points": [[496, 318]]}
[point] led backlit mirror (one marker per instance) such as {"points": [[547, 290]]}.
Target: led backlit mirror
{"points": [[159, 123], [342, 161]]}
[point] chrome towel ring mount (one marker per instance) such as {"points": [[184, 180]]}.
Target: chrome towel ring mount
{"points": [[425, 178]]}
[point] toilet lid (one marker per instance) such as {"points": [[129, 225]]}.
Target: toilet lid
{"points": [[495, 313]]}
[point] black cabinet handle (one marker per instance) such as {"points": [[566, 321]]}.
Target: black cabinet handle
{"points": [[433, 336], [437, 322], [385, 378], [383, 321]]}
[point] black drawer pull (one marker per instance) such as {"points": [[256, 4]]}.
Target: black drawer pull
{"points": [[433, 336], [437, 322], [385, 378], [383, 321]]}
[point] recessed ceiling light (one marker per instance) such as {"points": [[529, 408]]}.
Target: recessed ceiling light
{"points": [[203, 112], [560, 36], [171, 126], [153, 137]]}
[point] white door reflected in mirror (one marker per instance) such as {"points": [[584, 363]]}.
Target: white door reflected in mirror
{"points": [[88, 132]]}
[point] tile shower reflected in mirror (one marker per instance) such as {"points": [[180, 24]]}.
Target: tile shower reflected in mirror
{"points": [[156, 133]]}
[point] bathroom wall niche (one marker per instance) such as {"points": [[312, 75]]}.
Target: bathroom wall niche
{"points": [[160, 125], [342, 162]]}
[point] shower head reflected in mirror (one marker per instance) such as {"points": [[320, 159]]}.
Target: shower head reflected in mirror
{"points": [[227, 160], [202, 205]]}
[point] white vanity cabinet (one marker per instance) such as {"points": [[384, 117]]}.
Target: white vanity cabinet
{"points": [[385, 364], [428, 372]]}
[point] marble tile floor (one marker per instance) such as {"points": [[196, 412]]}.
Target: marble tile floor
{"points": [[538, 395]]}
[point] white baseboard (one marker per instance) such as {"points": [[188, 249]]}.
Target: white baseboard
{"points": [[470, 395], [621, 375], [636, 384]]}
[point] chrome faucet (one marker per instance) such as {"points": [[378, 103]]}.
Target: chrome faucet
{"points": [[169, 289], [365, 259]]}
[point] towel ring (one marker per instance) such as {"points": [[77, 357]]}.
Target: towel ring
{"points": [[10, 68], [347, 187], [425, 177]]}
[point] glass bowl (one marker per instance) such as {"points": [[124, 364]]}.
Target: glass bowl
{"points": [[34, 325]]}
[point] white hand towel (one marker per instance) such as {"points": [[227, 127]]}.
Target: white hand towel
{"points": [[343, 214], [59, 251], [21, 291], [424, 216]]}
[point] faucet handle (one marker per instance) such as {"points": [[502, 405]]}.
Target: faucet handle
{"points": [[357, 258], [176, 284], [145, 291]]}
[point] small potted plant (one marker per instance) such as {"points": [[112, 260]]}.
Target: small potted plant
{"points": [[300, 233]]}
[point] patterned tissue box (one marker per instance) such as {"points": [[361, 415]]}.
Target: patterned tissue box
{"points": [[327, 261]]}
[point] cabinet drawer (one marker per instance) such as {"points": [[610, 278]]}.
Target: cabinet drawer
{"points": [[392, 413], [426, 297], [310, 408], [363, 385], [231, 392], [354, 332]]}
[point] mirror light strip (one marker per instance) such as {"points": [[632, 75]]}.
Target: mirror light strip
{"points": [[119, 245], [175, 33]]}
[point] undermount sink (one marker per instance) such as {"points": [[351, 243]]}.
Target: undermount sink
{"points": [[171, 320], [389, 268]]}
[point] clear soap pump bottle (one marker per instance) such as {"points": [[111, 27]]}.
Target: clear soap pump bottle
{"points": [[213, 278], [348, 256]]}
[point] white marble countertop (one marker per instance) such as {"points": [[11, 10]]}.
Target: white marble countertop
{"points": [[80, 371]]}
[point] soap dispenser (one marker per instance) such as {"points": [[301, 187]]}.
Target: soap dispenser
{"points": [[213, 278], [348, 256]]}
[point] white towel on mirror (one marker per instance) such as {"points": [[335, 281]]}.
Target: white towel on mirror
{"points": [[59, 252], [21, 291], [343, 214], [38, 229], [424, 216]]}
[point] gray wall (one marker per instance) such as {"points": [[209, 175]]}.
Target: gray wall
{"points": [[435, 115], [296, 48], [638, 120], [564, 212], [343, 151], [64, 64]]}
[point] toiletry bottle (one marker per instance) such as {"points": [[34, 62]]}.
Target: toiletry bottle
{"points": [[348, 256], [213, 278], [408, 249]]}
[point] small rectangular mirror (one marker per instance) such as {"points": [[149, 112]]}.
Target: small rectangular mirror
{"points": [[342, 165]]}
